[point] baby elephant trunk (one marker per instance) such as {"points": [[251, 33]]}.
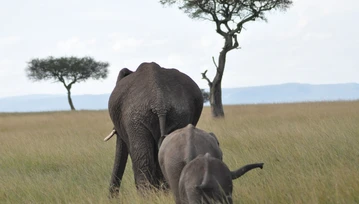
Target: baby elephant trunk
{"points": [[239, 172]]}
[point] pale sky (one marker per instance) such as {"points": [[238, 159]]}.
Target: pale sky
{"points": [[315, 41]]}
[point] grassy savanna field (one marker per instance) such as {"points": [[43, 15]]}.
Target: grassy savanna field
{"points": [[310, 153]]}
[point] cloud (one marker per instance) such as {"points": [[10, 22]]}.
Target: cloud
{"points": [[332, 7], [318, 36], [5, 62], [206, 41], [100, 15], [156, 42], [10, 40], [125, 43], [68, 44], [211, 41], [302, 22], [9, 69], [75, 43], [174, 60]]}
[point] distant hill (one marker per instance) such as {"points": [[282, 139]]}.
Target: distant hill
{"points": [[283, 93], [290, 92]]}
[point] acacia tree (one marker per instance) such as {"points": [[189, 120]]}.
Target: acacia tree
{"points": [[67, 70], [229, 17]]}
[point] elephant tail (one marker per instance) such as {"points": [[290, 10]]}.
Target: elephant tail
{"points": [[206, 175], [162, 121], [239, 172]]}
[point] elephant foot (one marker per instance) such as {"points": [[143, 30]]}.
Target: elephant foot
{"points": [[164, 186], [114, 192]]}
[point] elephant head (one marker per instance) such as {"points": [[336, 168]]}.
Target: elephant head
{"points": [[206, 179], [181, 147]]}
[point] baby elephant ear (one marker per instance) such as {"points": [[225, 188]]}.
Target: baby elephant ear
{"points": [[215, 137], [123, 73]]}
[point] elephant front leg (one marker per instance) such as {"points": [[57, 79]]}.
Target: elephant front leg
{"points": [[118, 167]]}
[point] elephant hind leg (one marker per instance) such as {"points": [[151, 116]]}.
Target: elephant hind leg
{"points": [[144, 161], [173, 171], [119, 167]]}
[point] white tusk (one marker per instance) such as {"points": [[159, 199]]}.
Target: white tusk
{"points": [[110, 135]]}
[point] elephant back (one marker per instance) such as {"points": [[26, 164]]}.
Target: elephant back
{"points": [[161, 88], [170, 89], [151, 91]]}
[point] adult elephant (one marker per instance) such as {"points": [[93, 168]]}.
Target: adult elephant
{"points": [[145, 105]]}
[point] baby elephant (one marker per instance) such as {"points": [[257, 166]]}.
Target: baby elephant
{"points": [[182, 146], [208, 180]]}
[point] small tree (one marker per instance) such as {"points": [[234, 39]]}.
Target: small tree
{"points": [[229, 17], [67, 70], [205, 95]]}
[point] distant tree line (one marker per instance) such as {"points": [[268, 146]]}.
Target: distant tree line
{"points": [[205, 95]]}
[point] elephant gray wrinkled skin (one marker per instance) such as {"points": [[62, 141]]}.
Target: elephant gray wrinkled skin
{"points": [[207, 179], [145, 105], [182, 146]]}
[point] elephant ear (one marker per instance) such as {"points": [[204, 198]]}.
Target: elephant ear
{"points": [[123, 73], [215, 137]]}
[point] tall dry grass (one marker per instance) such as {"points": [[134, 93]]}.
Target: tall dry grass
{"points": [[310, 151]]}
